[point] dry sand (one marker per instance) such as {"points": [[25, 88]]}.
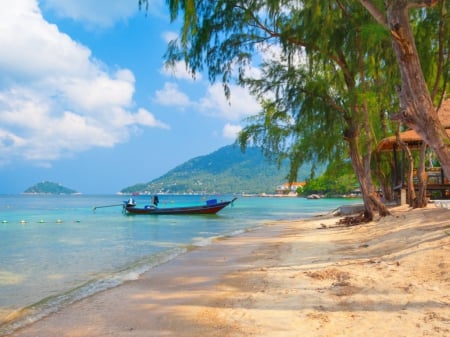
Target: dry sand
{"points": [[390, 277]]}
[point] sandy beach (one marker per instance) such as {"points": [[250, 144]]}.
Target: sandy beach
{"points": [[389, 277]]}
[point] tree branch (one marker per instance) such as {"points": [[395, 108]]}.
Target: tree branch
{"points": [[375, 12], [421, 3]]}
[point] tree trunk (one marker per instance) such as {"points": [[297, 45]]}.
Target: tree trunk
{"points": [[384, 180], [363, 161], [370, 198], [417, 110], [412, 198], [422, 179]]}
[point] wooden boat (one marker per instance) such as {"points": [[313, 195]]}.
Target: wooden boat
{"points": [[211, 207]]}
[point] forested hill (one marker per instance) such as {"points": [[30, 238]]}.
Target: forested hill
{"points": [[226, 170], [48, 187]]}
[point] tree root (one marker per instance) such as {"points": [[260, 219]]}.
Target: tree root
{"points": [[353, 220]]}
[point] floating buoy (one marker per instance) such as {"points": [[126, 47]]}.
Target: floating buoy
{"points": [[41, 221], [23, 221], [4, 221], [77, 220], [58, 221]]}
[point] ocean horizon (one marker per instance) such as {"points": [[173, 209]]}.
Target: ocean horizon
{"points": [[56, 249]]}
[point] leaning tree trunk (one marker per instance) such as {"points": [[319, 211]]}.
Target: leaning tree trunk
{"points": [[362, 163], [357, 167], [370, 198], [417, 107]]}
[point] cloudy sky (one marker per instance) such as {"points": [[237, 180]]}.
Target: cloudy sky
{"points": [[86, 101]]}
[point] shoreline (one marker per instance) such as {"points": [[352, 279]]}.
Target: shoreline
{"points": [[289, 278]]}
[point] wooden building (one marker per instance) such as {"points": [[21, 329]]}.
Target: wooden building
{"points": [[438, 186]]}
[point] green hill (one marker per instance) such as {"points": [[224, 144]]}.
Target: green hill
{"points": [[47, 187], [226, 170]]}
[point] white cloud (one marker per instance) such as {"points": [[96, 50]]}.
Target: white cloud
{"points": [[94, 93], [55, 98], [274, 52], [230, 131], [171, 95], [169, 36], [8, 143], [33, 48], [214, 104], [240, 105], [103, 13], [270, 51], [146, 118], [180, 71]]}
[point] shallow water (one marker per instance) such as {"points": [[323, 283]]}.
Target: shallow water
{"points": [[55, 250]]}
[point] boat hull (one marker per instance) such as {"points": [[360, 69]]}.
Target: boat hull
{"points": [[202, 209]]}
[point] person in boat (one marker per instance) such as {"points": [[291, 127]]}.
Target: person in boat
{"points": [[131, 202], [155, 200]]}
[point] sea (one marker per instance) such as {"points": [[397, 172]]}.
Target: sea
{"points": [[55, 250]]}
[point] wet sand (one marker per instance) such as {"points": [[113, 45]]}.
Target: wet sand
{"points": [[390, 277]]}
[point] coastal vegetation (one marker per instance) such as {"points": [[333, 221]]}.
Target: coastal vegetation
{"points": [[335, 78], [331, 183]]}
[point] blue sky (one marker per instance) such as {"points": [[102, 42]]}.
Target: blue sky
{"points": [[85, 99]]}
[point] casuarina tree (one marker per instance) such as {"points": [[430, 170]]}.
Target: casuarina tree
{"points": [[325, 93]]}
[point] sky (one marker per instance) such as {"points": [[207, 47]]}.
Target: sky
{"points": [[86, 101]]}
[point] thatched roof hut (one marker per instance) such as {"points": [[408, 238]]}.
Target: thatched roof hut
{"points": [[411, 137]]}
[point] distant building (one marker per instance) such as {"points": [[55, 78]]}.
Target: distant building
{"points": [[287, 188]]}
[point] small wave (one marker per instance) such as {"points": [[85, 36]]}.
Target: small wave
{"points": [[206, 241], [49, 305], [203, 242]]}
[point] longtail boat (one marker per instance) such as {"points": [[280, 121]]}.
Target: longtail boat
{"points": [[211, 207]]}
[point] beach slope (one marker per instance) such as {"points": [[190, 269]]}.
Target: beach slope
{"points": [[390, 277]]}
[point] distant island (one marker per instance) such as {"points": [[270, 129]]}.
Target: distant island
{"points": [[48, 187]]}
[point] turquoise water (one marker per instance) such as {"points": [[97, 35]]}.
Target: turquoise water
{"points": [[55, 250]]}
